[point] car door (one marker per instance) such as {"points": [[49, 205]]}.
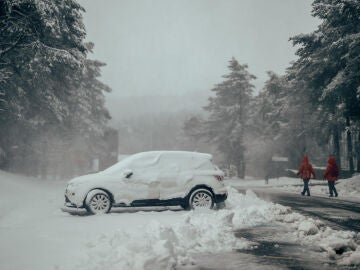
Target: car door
{"points": [[170, 172], [140, 184], [143, 184], [136, 187]]}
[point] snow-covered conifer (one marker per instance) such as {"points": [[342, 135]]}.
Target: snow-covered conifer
{"points": [[229, 114]]}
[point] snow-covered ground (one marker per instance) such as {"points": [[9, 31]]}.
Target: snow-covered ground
{"points": [[35, 234], [347, 188]]}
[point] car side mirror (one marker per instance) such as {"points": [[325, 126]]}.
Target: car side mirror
{"points": [[128, 173]]}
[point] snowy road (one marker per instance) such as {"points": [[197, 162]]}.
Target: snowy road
{"points": [[336, 212]]}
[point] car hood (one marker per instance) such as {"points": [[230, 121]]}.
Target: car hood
{"points": [[90, 178]]}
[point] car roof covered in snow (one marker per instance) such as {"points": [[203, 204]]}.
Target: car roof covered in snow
{"points": [[179, 153], [144, 159]]}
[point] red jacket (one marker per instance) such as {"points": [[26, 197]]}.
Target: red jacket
{"points": [[332, 170], [306, 169]]}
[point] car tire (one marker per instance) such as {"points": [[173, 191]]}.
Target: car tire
{"points": [[98, 202], [201, 198]]}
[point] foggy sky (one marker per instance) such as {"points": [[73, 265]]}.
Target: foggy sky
{"points": [[176, 46]]}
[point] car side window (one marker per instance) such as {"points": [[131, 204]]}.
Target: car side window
{"points": [[171, 163], [145, 169], [203, 164], [144, 162]]}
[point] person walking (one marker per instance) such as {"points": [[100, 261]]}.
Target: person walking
{"points": [[331, 175], [306, 171]]}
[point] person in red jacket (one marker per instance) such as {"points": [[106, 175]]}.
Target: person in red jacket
{"points": [[331, 175], [306, 171]]}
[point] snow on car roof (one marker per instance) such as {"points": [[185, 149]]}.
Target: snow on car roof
{"points": [[152, 157], [182, 153]]}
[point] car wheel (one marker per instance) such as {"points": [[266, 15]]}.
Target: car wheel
{"points": [[98, 202], [201, 198]]}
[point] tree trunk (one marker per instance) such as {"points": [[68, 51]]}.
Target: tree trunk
{"points": [[336, 142], [241, 167], [357, 149], [349, 146], [240, 170]]}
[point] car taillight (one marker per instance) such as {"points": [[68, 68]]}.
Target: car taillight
{"points": [[219, 177]]}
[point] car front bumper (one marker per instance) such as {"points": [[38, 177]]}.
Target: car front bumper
{"points": [[72, 209]]}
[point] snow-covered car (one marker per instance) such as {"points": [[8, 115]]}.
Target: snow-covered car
{"points": [[157, 178]]}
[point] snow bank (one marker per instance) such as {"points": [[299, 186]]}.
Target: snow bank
{"points": [[349, 187], [162, 246], [159, 246], [336, 244], [352, 259], [249, 210]]}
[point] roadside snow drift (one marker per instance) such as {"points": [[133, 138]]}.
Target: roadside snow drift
{"points": [[160, 246]]}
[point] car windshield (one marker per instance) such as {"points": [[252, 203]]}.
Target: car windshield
{"points": [[134, 162], [120, 166]]}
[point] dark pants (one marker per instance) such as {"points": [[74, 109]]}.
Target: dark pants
{"points": [[306, 187], [332, 188]]}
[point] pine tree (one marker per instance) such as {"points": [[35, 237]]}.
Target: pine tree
{"points": [[287, 122], [269, 106], [52, 92], [329, 61], [266, 125], [229, 112]]}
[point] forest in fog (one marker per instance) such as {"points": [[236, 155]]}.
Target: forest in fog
{"points": [[53, 117]]}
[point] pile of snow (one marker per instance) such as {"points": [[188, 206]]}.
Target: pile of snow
{"points": [[352, 259], [162, 246], [349, 187], [336, 244]]}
